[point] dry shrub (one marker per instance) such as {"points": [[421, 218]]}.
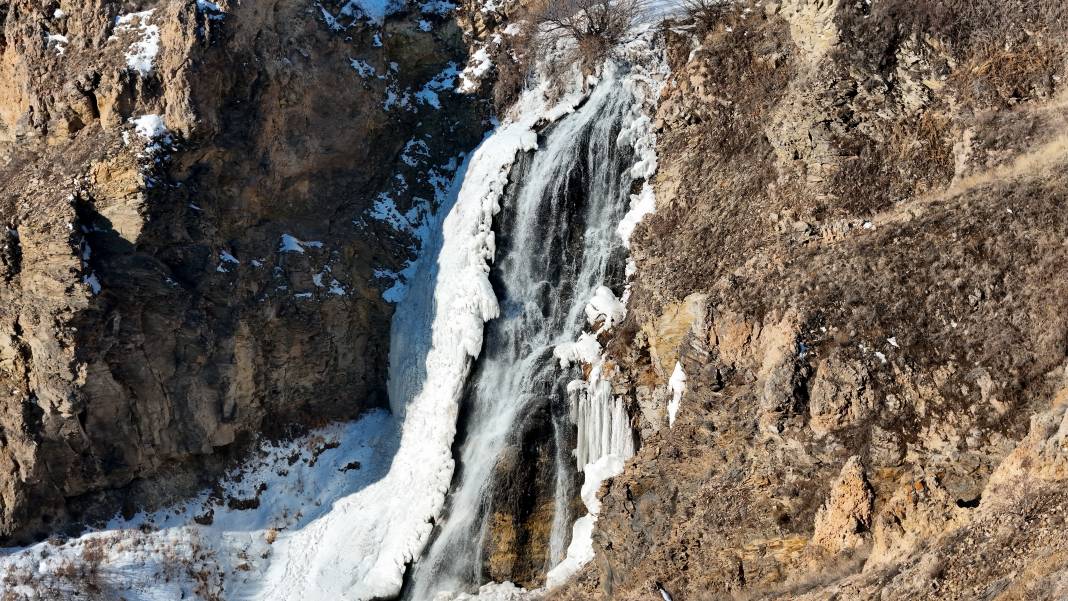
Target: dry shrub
{"points": [[915, 158], [747, 69], [996, 74], [705, 14], [1004, 50], [94, 552], [965, 25], [595, 26], [68, 570], [513, 59]]}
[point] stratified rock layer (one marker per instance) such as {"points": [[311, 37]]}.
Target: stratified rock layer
{"points": [[163, 300], [858, 259]]}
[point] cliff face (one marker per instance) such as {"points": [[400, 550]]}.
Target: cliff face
{"points": [[203, 204], [853, 285], [857, 262]]}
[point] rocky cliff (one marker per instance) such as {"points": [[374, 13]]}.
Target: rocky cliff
{"points": [[845, 354], [203, 204], [857, 263]]}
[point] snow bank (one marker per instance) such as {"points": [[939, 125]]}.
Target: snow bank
{"points": [[494, 591], [580, 551], [208, 547]]}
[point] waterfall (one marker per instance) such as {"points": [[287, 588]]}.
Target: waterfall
{"points": [[557, 246]]}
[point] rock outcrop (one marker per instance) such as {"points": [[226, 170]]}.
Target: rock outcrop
{"points": [[202, 206], [866, 203]]}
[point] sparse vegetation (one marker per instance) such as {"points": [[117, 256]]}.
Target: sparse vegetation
{"points": [[595, 26], [705, 13], [998, 51], [513, 61]]}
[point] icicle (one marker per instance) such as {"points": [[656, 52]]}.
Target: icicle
{"points": [[677, 383], [603, 424]]}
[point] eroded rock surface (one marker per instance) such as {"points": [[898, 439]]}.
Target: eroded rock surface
{"points": [[202, 204], [868, 200]]}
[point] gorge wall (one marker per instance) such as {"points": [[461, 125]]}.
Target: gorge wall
{"points": [[202, 207], [857, 263], [845, 351]]}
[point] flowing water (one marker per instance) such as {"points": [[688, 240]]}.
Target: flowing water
{"points": [[558, 244]]}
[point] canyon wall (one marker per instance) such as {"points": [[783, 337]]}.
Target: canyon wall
{"points": [[857, 261], [203, 206]]}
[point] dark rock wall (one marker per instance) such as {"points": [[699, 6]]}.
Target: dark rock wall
{"points": [[182, 355]]}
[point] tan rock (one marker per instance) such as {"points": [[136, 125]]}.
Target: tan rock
{"points": [[841, 396], [844, 522]]}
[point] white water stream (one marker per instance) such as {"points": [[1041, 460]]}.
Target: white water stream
{"points": [[561, 245], [327, 531]]}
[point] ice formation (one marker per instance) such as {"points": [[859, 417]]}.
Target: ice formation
{"points": [[677, 384]]}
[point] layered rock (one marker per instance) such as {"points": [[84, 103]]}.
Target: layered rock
{"points": [[864, 205], [203, 204]]}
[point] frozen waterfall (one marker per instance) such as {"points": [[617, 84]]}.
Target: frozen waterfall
{"points": [[602, 422], [557, 247]]}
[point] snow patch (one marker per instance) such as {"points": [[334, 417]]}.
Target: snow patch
{"points": [[604, 307], [93, 283], [444, 81], [584, 350], [142, 53], [478, 66], [149, 127], [57, 41], [290, 244], [363, 68], [440, 8], [211, 9], [677, 384], [374, 11]]}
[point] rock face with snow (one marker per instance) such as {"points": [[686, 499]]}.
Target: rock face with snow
{"points": [[202, 205]]}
